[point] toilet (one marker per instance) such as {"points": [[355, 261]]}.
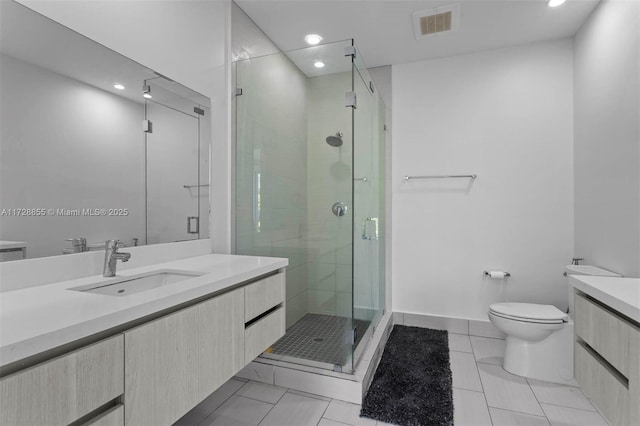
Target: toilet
{"points": [[539, 340]]}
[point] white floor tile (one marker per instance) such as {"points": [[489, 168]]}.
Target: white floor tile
{"points": [[464, 371], [310, 395], [327, 422], [469, 408], [484, 329], [193, 417], [512, 418], [364, 421], [238, 411], [459, 342], [258, 372], [343, 412], [215, 400], [261, 392], [295, 410], [487, 350], [556, 394], [508, 391], [563, 416]]}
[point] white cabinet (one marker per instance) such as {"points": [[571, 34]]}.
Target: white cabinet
{"points": [[66, 388], [606, 361], [176, 361]]}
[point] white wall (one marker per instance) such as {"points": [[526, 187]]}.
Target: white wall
{"points": [[607, 138], [58, 135], [186, 40], [507, 116]]}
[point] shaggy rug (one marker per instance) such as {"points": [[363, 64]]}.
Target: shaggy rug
{"points": [[412, 384]]}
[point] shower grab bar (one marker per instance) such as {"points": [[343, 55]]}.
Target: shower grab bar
{"points": [[194, 186], [441, 177]]}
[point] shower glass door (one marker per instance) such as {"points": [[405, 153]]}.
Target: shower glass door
{"points": [[176, 163], [368, 192]]}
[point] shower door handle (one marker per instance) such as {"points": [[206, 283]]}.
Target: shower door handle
{"points": [[193, 224], [370, 228]]}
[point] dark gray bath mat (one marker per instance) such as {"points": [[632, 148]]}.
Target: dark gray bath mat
{"points": [[412, 384]]}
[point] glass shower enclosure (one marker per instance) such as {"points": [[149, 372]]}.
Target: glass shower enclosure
{"points": [[310, 187]]}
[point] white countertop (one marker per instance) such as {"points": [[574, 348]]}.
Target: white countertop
{"points": [[8, 245], [620, 294], [36, 319]]}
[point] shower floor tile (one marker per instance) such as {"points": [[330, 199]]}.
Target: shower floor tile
{"points": [[319, 338]]}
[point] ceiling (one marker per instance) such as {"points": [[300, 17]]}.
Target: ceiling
{"points": [[36, 39], [383, 30]]}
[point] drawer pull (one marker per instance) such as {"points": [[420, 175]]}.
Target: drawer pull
{"points": [[610, 368], [259, 317]]}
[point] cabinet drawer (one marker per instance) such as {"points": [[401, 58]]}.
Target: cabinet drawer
{"points": [[263, 333], [603, 331], [113, 417], [66, 388], [601, 385], [263, 295]]}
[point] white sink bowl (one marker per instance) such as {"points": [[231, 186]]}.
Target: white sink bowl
{"points": [[589, 270], [125, 286]]}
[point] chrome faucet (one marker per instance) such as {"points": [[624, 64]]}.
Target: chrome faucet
{"points": [[576, 260], [111, 256]]}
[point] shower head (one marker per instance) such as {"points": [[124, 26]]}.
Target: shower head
{"points": [[335, 140]]}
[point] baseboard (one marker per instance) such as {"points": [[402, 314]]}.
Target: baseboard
{"points": [[477, 328]]}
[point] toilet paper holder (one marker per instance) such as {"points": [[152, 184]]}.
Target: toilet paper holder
{"points": [[489, 273]]}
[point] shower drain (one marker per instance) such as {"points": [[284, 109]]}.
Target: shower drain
{"points": [[318, 339]]}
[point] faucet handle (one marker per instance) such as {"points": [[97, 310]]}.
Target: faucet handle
{"points": [[576, 260]]}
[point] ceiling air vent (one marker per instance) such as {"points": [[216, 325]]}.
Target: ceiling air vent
{"points": [[435, 21]]}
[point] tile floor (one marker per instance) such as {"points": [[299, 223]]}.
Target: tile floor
{"points": [[483, 394]]}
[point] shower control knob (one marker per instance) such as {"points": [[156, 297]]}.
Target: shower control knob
{"points": [[339, 209]]}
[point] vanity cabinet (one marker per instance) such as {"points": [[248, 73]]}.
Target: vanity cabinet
{"points": [[607, 350], [155, 372], [64, 389], [174, 362]]}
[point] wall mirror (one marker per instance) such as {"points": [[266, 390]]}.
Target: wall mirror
{"points": [[93, 146]]}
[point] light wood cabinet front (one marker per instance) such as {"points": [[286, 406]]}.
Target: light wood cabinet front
{"points": [[264, 295], [606, 353], [64, 389], [173, 363], [263, 333], [221, 336], [161, 372], [604, 332]]}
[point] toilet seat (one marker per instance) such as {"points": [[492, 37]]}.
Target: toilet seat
{"points": [[529, 312]]}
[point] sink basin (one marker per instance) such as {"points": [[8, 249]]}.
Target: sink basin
{"points": [[589, 270], [125, 286]]}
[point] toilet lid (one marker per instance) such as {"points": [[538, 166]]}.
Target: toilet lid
{"points": [[529, 311]]}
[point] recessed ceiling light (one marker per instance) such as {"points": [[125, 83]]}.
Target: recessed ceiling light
{"points": [[147, 95], [318, 64], [555, 3], [118, 86], [313, 39]]}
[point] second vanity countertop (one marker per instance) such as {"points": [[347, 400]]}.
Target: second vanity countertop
{"points": [[37, 319], [621, 294]]}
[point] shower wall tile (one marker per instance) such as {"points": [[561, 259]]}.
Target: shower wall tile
{"points": [[344, 304], [322, 276], [343, 278], [322, 302]]}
